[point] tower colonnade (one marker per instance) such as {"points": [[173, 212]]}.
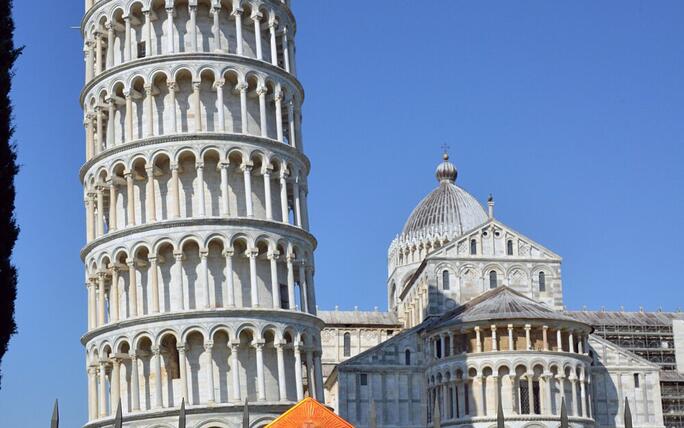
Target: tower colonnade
{"points": [[199, 267], [203, 270], [117, 33], [201, 180], [202, 95], [152, 368], [531, 364]]}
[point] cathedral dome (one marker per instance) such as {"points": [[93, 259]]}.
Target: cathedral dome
{"points": [[446, 210]]}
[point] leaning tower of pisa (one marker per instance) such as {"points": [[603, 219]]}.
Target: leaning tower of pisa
{"points": [[198, 261]]}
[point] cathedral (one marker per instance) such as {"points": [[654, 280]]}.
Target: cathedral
{"points": [[199, 262]]}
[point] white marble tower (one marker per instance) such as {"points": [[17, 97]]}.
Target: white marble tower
{"points": [[198, 261]]}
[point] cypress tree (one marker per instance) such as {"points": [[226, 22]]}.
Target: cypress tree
{"points": [[8, 170]]}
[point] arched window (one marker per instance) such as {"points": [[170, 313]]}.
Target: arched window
{"points": [[438, 348], [347, 344], [509, 247], [542, 282], [445, 280], [473, 247], [492, 279], [407, 357]]}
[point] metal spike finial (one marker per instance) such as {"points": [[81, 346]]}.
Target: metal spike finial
{"points": [[181, 415], [445, 151], [500, 415], [54, 421], [373, 417], [436, 416], [245, 415], [628, 414], [118, 420], [563, 414]]}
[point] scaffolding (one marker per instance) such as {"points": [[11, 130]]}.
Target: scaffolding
{"points": [[648, 335]]}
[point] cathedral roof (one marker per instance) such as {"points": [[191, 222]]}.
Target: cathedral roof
{"points": [[501, 303], [366, 318], [448, 209]]}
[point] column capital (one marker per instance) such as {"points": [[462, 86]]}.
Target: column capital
{"points": [[172, 85], [247, 167], [241, 87], [229, 252], [199, 165], [234, 346], [256, 16], [528, 327], [152, 259], [273, 24], [181, 347], [273, 255], [156, 350], [261, 90], [148, 89], [237, 12], [204, 254], [218, 84], [178, 256], [208, 346], [196, 84]]}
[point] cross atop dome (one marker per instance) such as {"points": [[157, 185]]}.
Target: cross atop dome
{"points": [[446, 171]]}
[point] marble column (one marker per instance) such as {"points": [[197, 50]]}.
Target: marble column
{"points": [[199, 166], [115, 384], [158, 403], [256, 18], [154, 282], [225, 202], [208, 347], [151, 208], [283, 198], [173, 87], [228, 254], [247, 173], [216, 28], [130, 198], [132, 287], [182, 363], [149, 110], [298, 372], [103, 389], [204, 268], [272, 27], [290, 281], [112, 207], [170, 36], [235, 370], [220, 107], [101, 278], [275, 285], [237, 13], [267, 193], [114, 295], [263, 122], [254, 290], [242, 89], [278, 100], [135, 388], [193, 27], [196, 106], [175, 192], [261, 385], [282, 386]]}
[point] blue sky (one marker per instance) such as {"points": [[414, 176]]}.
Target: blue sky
{"points": [[570, 113]]}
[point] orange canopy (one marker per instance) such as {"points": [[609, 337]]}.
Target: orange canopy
{"points": [[309, 413]]}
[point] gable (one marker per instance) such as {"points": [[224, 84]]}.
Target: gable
{"points": [[608, 354], [309, 413], [490, 245]]}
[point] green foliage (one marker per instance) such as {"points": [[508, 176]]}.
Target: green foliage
{"points": [[8, 170]]}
